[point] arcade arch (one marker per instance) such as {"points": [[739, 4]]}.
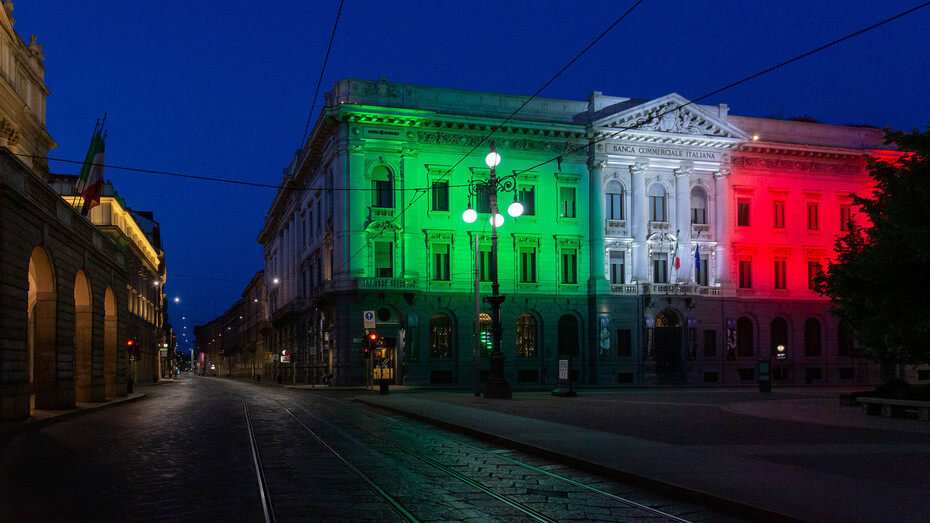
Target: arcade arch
{"points": [[41, 311], [83, 336]]}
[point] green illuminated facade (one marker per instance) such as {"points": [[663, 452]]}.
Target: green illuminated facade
{"points": [[369, 218]]}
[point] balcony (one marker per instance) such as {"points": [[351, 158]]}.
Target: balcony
{"points": [[701, 231], [659, 227], [381, 213], [624, 289], [615, 228], [387, 283], [680, 289]]}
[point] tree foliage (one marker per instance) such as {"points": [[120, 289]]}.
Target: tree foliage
{"points": [[879, 285]]}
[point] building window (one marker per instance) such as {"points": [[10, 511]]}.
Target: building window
{"points": [[778, 215], [814, 269], [660, 268], [527, 197], [484, 263], [526, 336], [384, 259], [710, 343], [778, 335], [813, 219], [698, 207], [780, 273], [483, 202], [567, 202], [440, 196], [528, 265], [382, 188], [624, 343], [700, 268], [656, 203], [745, 274], [614, 201], [812, 338], [484, 334], [569, 266], [440, 266], [742, 212], [440, 336], [845, 217], [744, 344], [617, 267]]}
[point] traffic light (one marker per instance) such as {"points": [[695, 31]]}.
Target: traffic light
{"points": [[372, 343]]}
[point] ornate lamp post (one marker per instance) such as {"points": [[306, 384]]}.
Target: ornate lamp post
{"points": [[497, 386]]}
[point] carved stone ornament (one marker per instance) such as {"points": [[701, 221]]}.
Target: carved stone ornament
{"points": [[520, 144], [722, 173], [524, 240], [8, 132], [781, 164], [595, 163], [639, 167], [380, 88], [356, 149], [380, 227], [684, 170], [438, 236], [567, 242]]}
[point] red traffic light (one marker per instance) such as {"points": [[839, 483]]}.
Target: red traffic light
{"points": [[373, 337], [129, 343]]}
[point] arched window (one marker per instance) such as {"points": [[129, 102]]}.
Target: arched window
{"points": [[779, 335], [812, 337], [440, 336], [382, 187], [526, 336], [568, 336], [744, 343], [484, 334], [656, 203], [698, 206], [613, 209]]}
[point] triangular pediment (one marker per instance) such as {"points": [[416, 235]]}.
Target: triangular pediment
{"points": [[671, 118]]}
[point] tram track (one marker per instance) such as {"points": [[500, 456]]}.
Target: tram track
{"points": [[502, 495]]}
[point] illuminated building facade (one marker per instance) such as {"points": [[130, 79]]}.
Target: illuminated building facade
{"points": [[661, 241], [62, 281]]}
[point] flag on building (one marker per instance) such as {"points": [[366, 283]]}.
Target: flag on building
{"points": [[90, 179], [677, 258], [697, 258]]}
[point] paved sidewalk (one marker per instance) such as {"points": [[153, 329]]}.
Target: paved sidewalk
{"points": [[44, 418], [797, 453]]}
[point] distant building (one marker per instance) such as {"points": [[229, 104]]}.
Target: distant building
{"points": [[63, 293], [678, 247]]}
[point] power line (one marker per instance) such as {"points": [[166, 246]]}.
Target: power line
{"points": [[322, 70], [416, 197]]}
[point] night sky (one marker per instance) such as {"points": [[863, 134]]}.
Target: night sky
{"points": [[225, 89]]}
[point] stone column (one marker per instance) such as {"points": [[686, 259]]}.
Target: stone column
{"points": [[683, 220], [722, 225], [639, 226], [350, 236], [597, 282]]}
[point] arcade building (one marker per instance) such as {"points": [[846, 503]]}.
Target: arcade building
{"points": [[661, 242]]}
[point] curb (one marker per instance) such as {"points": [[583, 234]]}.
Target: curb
{"points": [[31, 424]]}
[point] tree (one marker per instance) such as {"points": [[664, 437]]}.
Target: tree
{"points": [[879, 285]]}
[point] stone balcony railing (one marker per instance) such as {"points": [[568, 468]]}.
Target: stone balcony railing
{"points": [[386, 283], [658, 227], [680, 289], [381, 213], [700, 231], [615, 228]]}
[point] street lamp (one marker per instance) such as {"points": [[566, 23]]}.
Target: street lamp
{"points": [[497, 386]]}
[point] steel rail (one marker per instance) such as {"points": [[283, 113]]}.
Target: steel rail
{"points": [[259, 471]]}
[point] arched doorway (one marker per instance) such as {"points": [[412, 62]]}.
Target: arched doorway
{"points": [[83, 335], [668, 348], [109, 343], [41, 311]]}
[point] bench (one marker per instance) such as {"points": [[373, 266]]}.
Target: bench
{"points": [[891, 408]]}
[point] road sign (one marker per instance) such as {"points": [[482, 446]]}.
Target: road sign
{"points": [[370, 320]]}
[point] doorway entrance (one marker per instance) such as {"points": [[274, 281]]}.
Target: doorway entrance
{"points": [[384, 360], [668, 348]]}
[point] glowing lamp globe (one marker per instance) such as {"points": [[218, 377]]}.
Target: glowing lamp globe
{"points": [[515, 209], [470, 215], [497, 220], [492, 159]]}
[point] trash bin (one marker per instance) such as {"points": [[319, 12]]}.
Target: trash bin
{"points": [[385, 386]]}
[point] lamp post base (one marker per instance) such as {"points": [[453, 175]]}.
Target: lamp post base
{"points": [[497, 387]]}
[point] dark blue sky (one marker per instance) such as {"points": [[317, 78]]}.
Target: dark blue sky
{"points": [[224, 89]]}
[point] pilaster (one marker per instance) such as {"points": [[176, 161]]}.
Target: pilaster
{"points": [[639, 226]]}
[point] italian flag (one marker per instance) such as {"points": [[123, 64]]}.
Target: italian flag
{"points": [[90, 180], [677, 258]]}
